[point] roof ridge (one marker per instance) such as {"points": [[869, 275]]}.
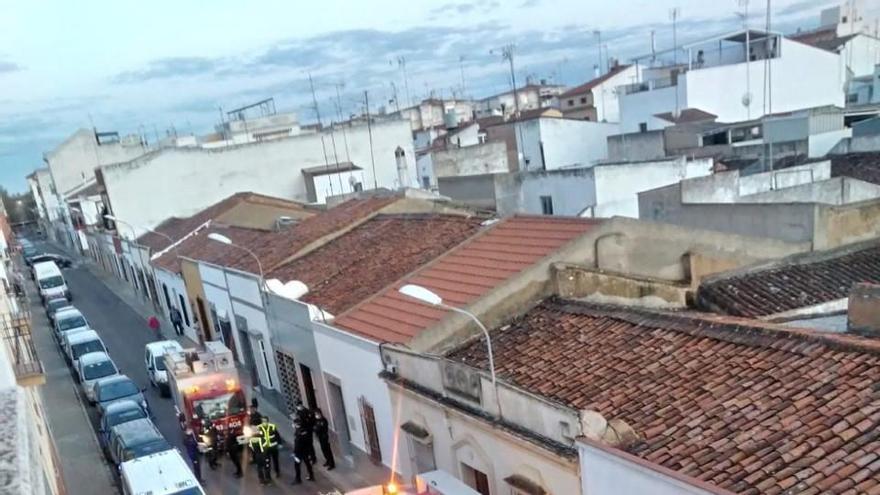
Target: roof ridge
{"points": [[736, 330]]}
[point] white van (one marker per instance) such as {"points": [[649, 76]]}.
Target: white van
{"points": [[82, 342], [162, 473], [156, 365], [50, 281]]}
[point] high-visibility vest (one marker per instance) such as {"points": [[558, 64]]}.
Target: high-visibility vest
{"points": [[256, 444], [268, 433]]}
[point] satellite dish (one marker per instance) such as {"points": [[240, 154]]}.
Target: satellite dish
{"points": [[747, 99]]}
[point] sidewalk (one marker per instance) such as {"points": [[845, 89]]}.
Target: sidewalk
{"points": [[349, 474]]}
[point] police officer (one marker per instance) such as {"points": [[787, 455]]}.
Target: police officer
{"points": [[192, 451], [233, 450], [322, 431], [258, 448], [214, 445], [302, 448], [269, 432], [307, 421]]}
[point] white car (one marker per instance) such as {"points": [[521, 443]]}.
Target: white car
{"points": [[156, 364], [50, 281], [69, 320], [91, 368], [83, 342], [163, 473]]}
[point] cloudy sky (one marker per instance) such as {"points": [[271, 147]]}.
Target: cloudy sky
{"points": [[144, 67]]}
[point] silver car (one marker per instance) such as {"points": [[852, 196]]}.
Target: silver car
{"points": [[91, 368]]}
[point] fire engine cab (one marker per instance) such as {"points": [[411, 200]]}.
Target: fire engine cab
{"points": [[206, 388]]}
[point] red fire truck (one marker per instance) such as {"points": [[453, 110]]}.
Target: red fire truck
{"points": [[205, 387]]}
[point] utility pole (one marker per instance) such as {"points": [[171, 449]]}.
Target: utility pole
{"points": [[507, 53], [673, 13], [315, 101], [341, 118], [747, 98], [370, 133], [461, 69], [401, 62], [394, 92]]}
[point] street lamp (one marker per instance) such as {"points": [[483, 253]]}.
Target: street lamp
{"points": [[214, 236], [427, 296]]}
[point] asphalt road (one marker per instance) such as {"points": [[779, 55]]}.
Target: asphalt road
{"points": [[125, 334]]}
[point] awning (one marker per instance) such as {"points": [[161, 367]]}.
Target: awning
{"points": [[525, 485], [415, 430]]}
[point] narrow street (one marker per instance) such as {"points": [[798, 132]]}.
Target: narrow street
{"points": [[125, 334]]}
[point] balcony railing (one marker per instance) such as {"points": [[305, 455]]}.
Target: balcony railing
{"points": [[650, 85], [18, 340]]}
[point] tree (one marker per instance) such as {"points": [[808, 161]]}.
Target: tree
{"points": [[20, 207]]}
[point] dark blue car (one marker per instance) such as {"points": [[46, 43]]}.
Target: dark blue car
{"points": [[117, 414]]}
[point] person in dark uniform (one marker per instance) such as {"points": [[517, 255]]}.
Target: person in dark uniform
{"points": [[258, 450], [214, 444], [192, 451], [233, 450], [269, 432], [322, 431], [254, 418], [307, 420], [301, 449]]}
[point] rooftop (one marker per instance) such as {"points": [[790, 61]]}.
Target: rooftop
{"points": [[826, 39], [587, 86], [751, 408], [178, 228], [271, 247], [794, 282], [372, 255], [462, 275], [686, 116]]}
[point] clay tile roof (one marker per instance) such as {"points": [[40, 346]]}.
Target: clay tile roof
{"points": [[462, 275], [583, 88], [361, 262], [748, 407], [177, 228], [271, 247], [794, 282], [861, 166]]}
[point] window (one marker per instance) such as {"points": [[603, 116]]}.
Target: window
{"points": [[584, 100], [643, 127], [571, 103], [546, 205], [426, 182], [183, 309], [475, 479]]}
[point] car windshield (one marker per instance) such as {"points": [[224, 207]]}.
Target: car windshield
{"points": [[98, 370], [29, 251], [219, 407], [86, 347], [116, 390], [147, 448], [72, 322], [160, 363], [56, 304], [125, 416], [50, 282]]}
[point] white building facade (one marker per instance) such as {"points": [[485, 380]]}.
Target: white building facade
{"points": [[548, 143]]}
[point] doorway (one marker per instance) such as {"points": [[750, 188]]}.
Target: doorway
{"points": [[247, 351], [308, 386], [371, 434], [167, 298], [203, 319], [338, 415], [475, 479]]}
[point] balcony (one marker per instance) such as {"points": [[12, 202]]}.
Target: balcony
{"points": [[19, 343], [639, 87]]}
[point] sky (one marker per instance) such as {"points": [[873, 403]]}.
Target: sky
{"points": [[149, 67]]}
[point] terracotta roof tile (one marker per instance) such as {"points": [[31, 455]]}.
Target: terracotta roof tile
{"points": [[462, 275], [749, 407], [794, 282], [273, 248], [374, 254], [583, 88], [861, 166]]}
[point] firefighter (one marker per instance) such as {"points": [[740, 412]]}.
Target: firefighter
{"points": [[215, 446], [269, 432], [233, 450], [301, 450], [258, 448]]}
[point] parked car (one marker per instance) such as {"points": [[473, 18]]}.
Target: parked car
{"points": [[54, 305], [27, 251], [119, 412], [116, 388], [164, 473], [91, 368], [50, 281], [61, 261], [135, 439], [82, 342], [156, 364], [68, 321]]}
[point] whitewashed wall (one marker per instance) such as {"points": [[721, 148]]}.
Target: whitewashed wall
{"points": [[182, 181], [355, 362], [176, 288]]}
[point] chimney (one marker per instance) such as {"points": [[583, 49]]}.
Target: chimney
{"points": [[863, 317], [402, 170]]}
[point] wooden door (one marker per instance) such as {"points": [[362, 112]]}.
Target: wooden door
{"points": [[370, 431]]}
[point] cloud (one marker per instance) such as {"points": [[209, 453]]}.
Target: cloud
{"points": [[9, 67], [169, 68], [529, 3]]}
